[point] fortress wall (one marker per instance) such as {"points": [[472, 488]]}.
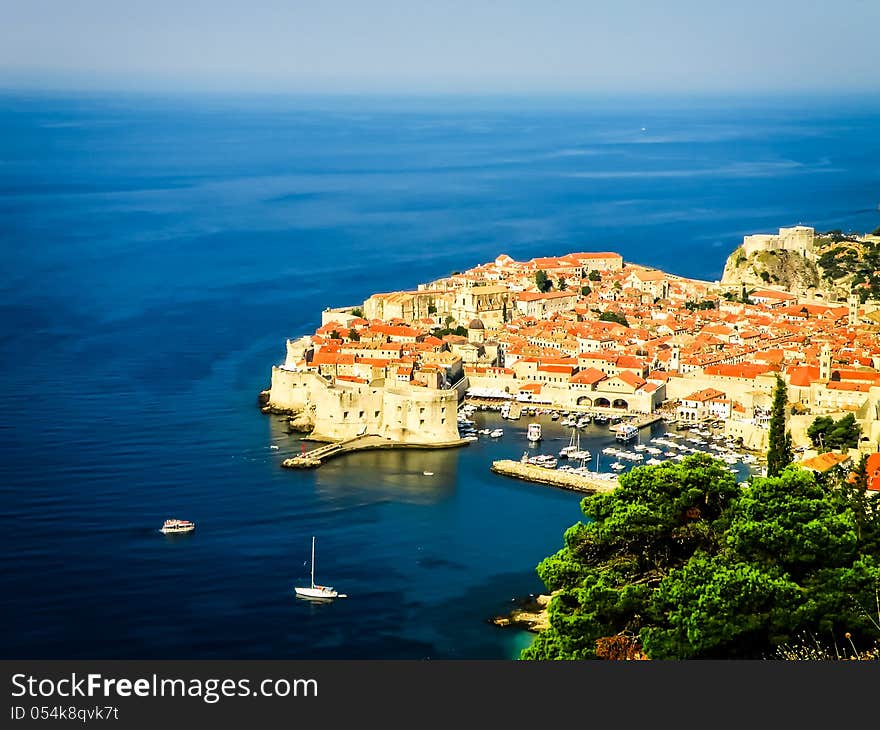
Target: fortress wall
{"points": [[419, 415], [342, 315], [742, 390], [290, 389], [760, 242], [296, 350], [496, 382], [344, 411], [797, 238], [753, 436]]}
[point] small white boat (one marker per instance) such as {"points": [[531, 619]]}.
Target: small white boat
{"points": [[316, 591], [274, 447], [626, 432], [173, 526], [428, 473], [497, 433], [617, 466], [534, 432]]}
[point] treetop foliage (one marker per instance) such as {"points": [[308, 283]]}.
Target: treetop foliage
{"points": [[682, 562]]}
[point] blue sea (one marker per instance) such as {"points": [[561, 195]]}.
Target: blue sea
{"points": [[157, 251]]}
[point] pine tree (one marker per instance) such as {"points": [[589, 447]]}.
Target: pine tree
{"points": [[779, 453]]}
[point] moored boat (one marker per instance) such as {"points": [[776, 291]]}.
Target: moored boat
{"points": [[533, 433]]}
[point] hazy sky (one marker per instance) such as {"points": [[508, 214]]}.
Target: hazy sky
{"points": [[444, 45]]}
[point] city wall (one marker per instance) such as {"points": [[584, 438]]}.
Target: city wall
{"points": [[399, 412]]}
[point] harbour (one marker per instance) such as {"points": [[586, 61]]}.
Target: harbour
{"points": [[156, 280]]}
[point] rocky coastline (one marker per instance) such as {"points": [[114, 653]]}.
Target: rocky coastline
{"points": [[529, 613]]}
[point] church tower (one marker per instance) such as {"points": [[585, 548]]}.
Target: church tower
{"points": [[825, 363], [853, 302], [675, 358]]}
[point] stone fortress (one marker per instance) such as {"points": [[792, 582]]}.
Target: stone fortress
{"points": [[800, 239]]}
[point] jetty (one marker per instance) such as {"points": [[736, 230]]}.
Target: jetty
{"points": [[317, 456], [564, 480], [640, 422]]}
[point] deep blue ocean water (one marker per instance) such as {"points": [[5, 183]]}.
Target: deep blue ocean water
{"points": [[156, 253]]}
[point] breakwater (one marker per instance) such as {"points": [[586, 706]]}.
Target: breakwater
{"points": [[317, 456], [561, 479]]}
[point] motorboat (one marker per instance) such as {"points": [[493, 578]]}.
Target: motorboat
{"points": [[497, 433], [626, 432], [175, 526], [533, 433]]}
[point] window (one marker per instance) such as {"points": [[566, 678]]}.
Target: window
{"points": [[344, 415], [361, 414], [421, 421], [375, 414]]}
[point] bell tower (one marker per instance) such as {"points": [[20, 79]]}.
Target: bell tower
{"points": [[825, 363], [675, 358], [853, 303]]}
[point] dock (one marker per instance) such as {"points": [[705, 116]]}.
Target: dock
{"points": [[561, 479], [315, 457], [646, 419]]}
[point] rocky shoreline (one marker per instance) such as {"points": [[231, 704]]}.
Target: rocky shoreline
{"points": [[530, 613]]}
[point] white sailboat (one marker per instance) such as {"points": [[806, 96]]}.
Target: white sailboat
{"points": [[316, 591]]}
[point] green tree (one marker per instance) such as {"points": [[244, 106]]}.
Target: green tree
{"points": [[845, 434], [828, 434], [818, 431], [719, 609], [358, 312], [560, 284], [594, 275], [542, 281], [690, 565], [586, 291], [432, 309], [609, 316], [779, 454], [353, 335]]}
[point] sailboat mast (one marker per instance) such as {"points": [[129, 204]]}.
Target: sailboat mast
{"points": [[313, 561]]}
